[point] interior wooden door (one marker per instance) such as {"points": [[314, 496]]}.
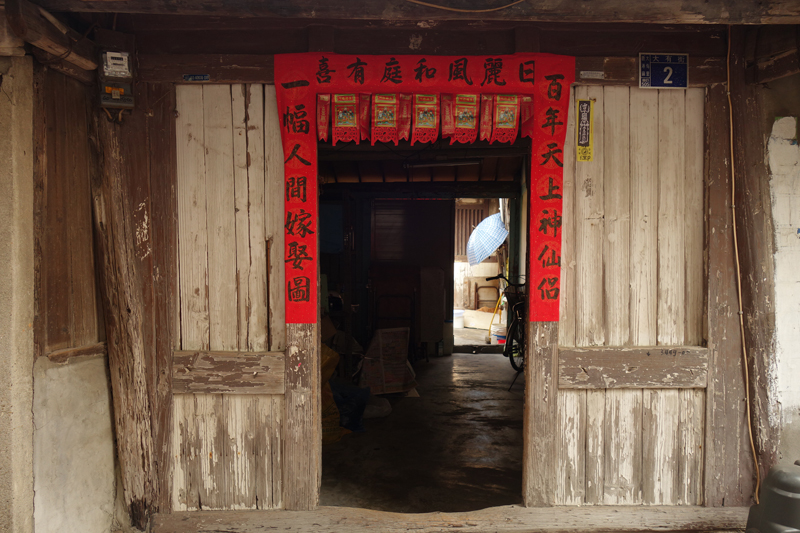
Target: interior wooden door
{"points": [[632, 357], [228, 375]]}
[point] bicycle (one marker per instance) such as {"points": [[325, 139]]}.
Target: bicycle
{"points": [[515, 337]]}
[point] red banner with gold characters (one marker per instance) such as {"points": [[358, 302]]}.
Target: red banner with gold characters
{"points": [[520, 94]]}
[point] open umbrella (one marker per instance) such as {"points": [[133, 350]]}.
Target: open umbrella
{"points": [[485, 239]]}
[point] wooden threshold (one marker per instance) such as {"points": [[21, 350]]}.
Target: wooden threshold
{"points": [[510, 518]]}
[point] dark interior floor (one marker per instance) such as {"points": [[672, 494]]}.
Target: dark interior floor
{"points": [[457, 447]]}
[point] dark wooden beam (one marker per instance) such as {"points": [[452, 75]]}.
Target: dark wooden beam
{"points": [[646, 367], [728, 468], [453, 189], [755, 244], [302, 437], [227, 373], [123, 286], [227, 68], [34, 25], [62, 356], [665, 12], [87, 77]]}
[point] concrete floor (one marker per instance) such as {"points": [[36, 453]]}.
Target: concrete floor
{"points": [[458, 447]]}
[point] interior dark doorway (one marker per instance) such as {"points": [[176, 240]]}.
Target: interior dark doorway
{"points": [[451, 435]]}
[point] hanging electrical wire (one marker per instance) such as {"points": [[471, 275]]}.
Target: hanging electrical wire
{"points": [[739, 279]]}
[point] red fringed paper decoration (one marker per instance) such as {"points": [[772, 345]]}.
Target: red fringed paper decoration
{"points": [[465, 118], [345, 118], [526, 121], [486, 116], [384, 118], [404, 119], [323, 116], [426, 118], [448, 122], [506, 118], [364, 114]]}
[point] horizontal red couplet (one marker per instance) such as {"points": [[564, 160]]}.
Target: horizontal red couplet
{"points": [[299, 78]]}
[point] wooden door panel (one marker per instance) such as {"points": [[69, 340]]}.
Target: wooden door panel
{"points": [[632, 362], [228, 375]]}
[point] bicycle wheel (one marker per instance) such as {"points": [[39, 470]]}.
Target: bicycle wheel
{"points": [[514, 349]]}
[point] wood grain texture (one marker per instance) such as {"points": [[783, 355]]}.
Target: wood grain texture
{"points": [[228, 372], [617, 208], [508, 519], [728, 467], [566, 321], [302, 444], [221, 221], [644, 216], [122, 288], [756, 247], [660, 457], [274, 221], [540, 417], [671, 217], [589, 231], [694, 224], [62, 356], [595, 445], [623, 447], [193, 237], [164, 238], [570, 448], [633, 368]]}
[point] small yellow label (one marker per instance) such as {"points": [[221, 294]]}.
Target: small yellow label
{"points": [[584, 130]]}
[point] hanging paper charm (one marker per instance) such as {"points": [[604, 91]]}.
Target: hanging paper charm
{"points": [[526, 119], [426, 118], [486, 116], [323, 116], [465, 118], [404, 118], [364, 115], [384, 118], [506, 118], [345, 118]]}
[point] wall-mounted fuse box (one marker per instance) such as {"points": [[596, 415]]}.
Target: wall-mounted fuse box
{"points": [[116, 80]]}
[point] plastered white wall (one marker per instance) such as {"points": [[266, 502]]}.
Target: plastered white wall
{"points": [[784, 164], [74, 471]]}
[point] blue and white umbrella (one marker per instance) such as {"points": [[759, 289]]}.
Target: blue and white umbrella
{"points": [[485, 239]]}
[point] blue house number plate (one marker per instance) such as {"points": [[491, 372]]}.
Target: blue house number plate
{"points": [[663, 71]]}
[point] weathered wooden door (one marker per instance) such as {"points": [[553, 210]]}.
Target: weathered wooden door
{"points": [[228, 376], [632, 364]]}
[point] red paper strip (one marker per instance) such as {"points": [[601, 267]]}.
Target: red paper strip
{"points": [[551, 104], [486, 116], [466, 113], [404, 121], [506, 118], [426, 118], [345, 118], [385, 111], [323, 116]]}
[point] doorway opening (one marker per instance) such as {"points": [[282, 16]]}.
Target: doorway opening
{"points": [[437, 430]]}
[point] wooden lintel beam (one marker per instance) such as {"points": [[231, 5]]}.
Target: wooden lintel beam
{"points": [[196, 372], [62, 356], [653, 367], [59, 65], [780, 66], [243, 68], [664, 12], [34, 25]]}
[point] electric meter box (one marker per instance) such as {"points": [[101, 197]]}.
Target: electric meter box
{"points": [[116, 80]]}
